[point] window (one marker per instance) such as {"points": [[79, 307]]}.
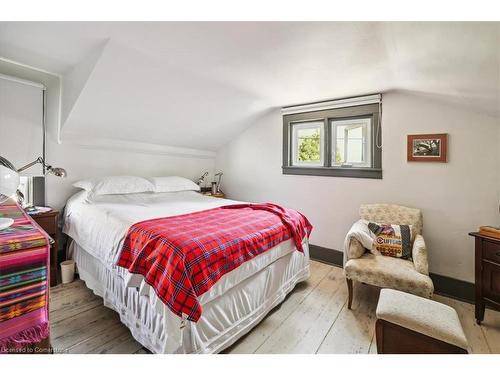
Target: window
{"points": [[339, 141], [352, 142], [307, 144]]}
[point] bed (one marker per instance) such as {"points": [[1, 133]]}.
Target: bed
{"points": [[231, 307]]}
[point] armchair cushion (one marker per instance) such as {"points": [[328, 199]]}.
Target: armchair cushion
{"points": [[419, 255], [389, 272]]}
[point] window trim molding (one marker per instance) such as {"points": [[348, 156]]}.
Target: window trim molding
{"points": [[332, 104], [366, 130], [374, 172], [294, 126]]}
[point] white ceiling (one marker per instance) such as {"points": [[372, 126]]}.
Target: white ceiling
{"points": [[200, 84]]}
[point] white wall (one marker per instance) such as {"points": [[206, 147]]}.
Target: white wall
{"points": [[20, 123], [455, 197]]}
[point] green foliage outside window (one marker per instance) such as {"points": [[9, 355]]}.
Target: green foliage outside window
{"points": [[309, 148], [338, 157]]}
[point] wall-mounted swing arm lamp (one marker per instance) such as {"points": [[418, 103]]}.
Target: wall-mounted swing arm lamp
{"points": [[59, 172]]}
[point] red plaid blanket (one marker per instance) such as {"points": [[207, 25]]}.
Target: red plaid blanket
{"points": [[181, 257]]}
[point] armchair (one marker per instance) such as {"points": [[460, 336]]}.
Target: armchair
{"points": [[407, 275]]}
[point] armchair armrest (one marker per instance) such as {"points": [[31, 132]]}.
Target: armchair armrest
{"points": [[419, 255]]}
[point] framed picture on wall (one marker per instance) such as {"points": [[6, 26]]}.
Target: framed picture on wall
{"points": [[427, 147]]}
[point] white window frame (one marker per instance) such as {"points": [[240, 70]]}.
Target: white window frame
{"points": [[367, 140], [313, 124]]}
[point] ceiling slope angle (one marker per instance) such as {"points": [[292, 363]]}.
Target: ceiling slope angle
{"points": [[76, 78], [134, 97]]}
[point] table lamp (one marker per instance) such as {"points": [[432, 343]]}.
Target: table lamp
{"points": [[9, 181]]}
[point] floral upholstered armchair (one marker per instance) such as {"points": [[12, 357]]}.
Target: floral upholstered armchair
{"points": [[408, 275]]}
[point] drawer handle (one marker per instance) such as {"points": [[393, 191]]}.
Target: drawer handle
{"points": [[498, 254]]}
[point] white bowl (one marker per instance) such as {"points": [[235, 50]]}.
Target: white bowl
{"points": [[5, 222]]}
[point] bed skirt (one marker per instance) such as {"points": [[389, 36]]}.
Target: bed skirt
{"points": [[225, 318]]}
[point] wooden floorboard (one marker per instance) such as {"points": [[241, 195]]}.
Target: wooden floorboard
{"points": [[352, 331], [303, 330], [251, 342], [314, 318]]}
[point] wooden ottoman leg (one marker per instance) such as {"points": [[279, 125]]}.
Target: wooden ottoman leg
{"points": [[349, 289]]}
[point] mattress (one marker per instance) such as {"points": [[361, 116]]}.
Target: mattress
{"points": [[237, 302]]}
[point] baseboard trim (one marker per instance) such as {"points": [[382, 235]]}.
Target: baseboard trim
{"points": [[454, 288], [326, 255], [443, 285]]}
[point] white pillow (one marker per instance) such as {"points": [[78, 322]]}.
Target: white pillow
{"points": [[171, 184], [115, 185], [86, 185]]}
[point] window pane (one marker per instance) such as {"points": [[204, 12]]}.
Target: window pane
{"points": [[352, 144], [355, 144], [307, 143], [339, 151]]}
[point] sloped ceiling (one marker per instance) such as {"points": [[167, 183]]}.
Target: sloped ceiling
{"points": [[199, 84]]}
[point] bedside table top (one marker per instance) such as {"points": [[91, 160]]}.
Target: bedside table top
{"points": [[45, 214], [483, 236], [217, 195]]}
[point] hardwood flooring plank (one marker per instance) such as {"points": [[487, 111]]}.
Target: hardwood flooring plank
{"points": [[123, 344], [63, 288], [304, 330], [491, 329], [112, 331], [353, 330], [254, 339], [67, 333], [373, 345], [72, 307]]}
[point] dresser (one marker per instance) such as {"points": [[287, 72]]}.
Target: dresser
{"points": [[487, 273], [24, 290]]}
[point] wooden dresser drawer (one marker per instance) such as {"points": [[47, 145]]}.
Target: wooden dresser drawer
{"points": [[48, 224], [491, 281], [491, 251]]}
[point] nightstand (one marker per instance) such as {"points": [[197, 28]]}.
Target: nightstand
{"points": [[48, 222]]}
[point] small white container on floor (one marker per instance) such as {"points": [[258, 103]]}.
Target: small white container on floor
{"points": [[67, 271]]}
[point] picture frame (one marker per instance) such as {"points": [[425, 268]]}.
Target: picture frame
{"points": [[427, 147]]}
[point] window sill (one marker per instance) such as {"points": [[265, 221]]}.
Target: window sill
{"points": [[334, 172]]}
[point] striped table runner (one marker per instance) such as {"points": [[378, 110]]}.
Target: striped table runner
{"points": [[24, 267]]}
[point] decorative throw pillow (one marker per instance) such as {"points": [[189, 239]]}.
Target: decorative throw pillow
{"points": [[391, 240]]}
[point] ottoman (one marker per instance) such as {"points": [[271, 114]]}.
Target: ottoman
{"points": [[408, 324]]}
